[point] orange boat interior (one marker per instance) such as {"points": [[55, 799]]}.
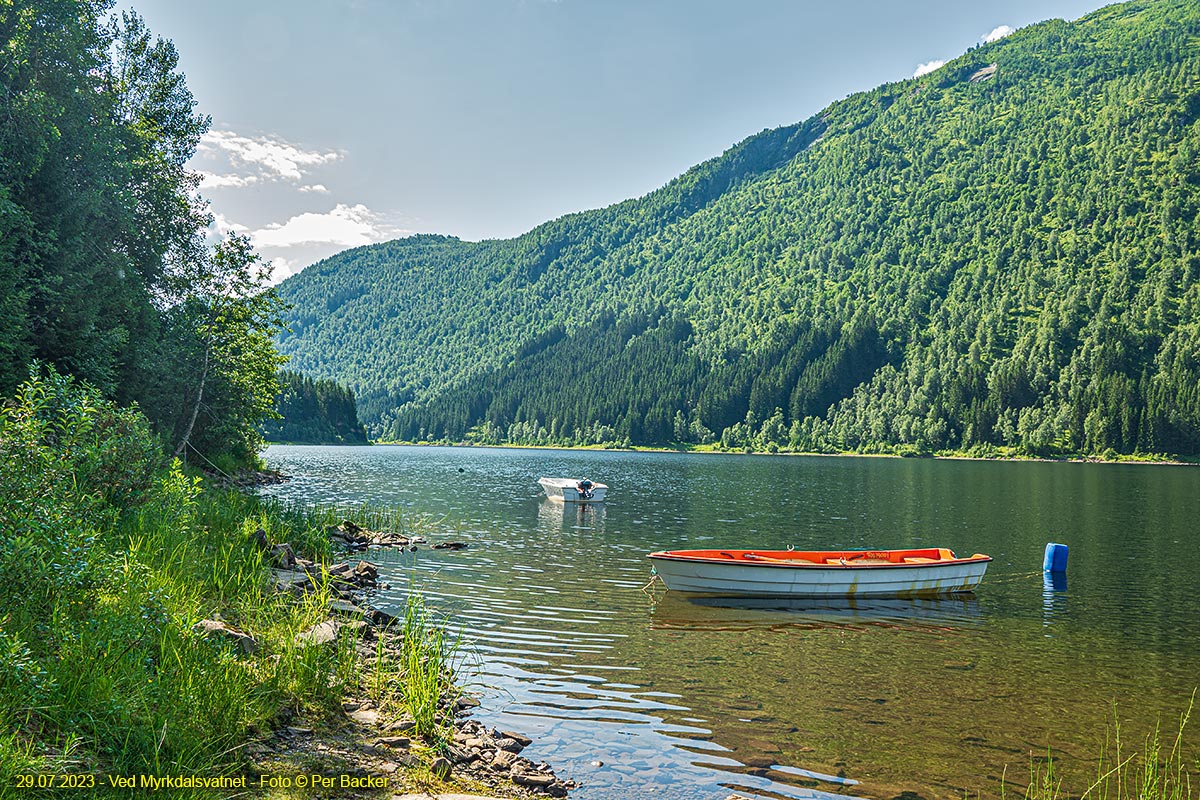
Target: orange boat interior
{"points": [[843, 558]]}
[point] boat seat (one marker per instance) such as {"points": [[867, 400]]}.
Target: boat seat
{"points": [[835, 561], [919, 560]]}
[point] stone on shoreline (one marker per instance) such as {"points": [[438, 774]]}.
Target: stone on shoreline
{"points": [[320, 634], [282, 556], [215, 629]]}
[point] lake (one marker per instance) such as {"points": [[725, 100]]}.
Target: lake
{"points": [[633, 690]]}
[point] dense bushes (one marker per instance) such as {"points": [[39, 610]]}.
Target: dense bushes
{"points": [[108, 559]]}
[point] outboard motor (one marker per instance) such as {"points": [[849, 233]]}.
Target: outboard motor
{"points": [[584, 487]]}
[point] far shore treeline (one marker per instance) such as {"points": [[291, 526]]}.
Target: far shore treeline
{"points": [[314, 412], [1001, 256]]}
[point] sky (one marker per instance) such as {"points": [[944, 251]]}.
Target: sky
{"points": [[346, 122]]}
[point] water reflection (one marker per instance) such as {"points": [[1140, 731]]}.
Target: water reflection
{"points": [[693, 612], [694, 698], [1054, 596], [554, 517]]}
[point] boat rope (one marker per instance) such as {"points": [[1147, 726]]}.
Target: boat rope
{"points": [[653, 579], [1022, 576]]}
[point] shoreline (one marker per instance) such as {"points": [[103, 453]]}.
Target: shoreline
{"points": [[382, 736], [1153, 460]]}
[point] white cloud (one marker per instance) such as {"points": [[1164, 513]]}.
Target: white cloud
{"points": [[345, 226], [997, 33], [211, 180], [284, 268], [927, 67], [315, 187], [225, 226], [273, 157]]}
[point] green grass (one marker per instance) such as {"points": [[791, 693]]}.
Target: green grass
{"points": [[107, 562], [412, 670], [1159, 770]]}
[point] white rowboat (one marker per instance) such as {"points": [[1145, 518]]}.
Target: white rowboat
{"points": [[925, 572]]}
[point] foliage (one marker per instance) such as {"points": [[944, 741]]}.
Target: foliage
{"points": [[107, 561], [314, 412], [948, 262], [226, 363], [104, 262]]}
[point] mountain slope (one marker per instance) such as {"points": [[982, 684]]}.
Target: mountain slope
{"points": [[977, 257]]}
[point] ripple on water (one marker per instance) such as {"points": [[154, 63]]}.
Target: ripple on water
{"points": [[694, 699]]}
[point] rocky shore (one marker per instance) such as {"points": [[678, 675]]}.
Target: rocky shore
{"points": [[378, 747]]}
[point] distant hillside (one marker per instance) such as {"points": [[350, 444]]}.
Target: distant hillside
{"points": [[314, 412], [1000, 253]]}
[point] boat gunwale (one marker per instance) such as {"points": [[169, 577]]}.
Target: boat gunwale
{"points": [[674, 555]]}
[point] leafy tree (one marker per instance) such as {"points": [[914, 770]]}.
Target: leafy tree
{"points": [[105, 269]]}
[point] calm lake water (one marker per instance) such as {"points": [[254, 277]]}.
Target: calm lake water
{"points": [[684, 699]]}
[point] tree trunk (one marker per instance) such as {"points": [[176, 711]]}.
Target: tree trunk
{"points": [[187, 434]]}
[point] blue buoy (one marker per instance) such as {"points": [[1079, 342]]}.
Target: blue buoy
{"points": [[1056, 558]]}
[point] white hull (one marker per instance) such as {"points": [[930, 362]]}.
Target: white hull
{"points": [[566, 490], [761, 580]]}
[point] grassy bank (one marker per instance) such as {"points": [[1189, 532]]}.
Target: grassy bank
{"points": [[109, 559]]}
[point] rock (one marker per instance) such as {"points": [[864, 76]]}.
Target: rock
{"points": [[287, 580], [503, 761], [461, 756], [215, 629], [259, 538], [394, 742], [441, 767], [297, 731], [382, 619], [365, 716], [597, 763], [282, 556], [366, 572], [450, 546], [350, 705], [511, 745], [402, 726], [524, 741], [466, 702], [320, 634], [346, 609], [532, 779]]}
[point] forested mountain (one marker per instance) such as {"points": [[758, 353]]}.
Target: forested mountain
{"points": [[1000, 253], [317, 411]]}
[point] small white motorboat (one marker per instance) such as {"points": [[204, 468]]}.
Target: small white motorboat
{"points": [[927, 572], [570, 490]]}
